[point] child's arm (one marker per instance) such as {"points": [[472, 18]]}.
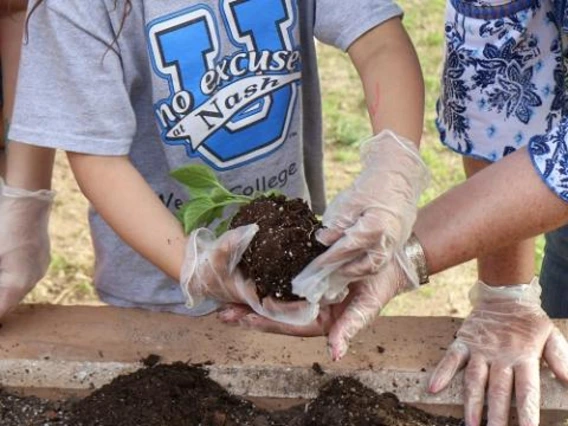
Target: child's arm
{"points": [[29, 167], [392, 81], [370, 220], [204, 266], [129, 205], [25, 200], [12, 18], [10, 7]]}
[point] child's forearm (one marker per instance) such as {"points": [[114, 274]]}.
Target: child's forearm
{"points": [[12, 19], [132, 209], [29, 167], [9, 7], [501, 205], [392, 81], [2, 161]]}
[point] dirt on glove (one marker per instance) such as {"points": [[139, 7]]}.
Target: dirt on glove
{"points": [[283, 246], [183, 395]]}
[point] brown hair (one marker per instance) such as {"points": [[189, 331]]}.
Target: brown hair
{"points": [[125, 12]]}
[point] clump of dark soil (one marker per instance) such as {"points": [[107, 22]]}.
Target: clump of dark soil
{"points": [[174, 394], [183, 395], [283, 246], [344, 401], [151, 360], [30, 411]]}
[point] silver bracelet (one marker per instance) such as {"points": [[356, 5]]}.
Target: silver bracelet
{"points": [[415, 253]]}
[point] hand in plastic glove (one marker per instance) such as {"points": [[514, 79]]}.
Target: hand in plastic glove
{"points": [[24, 242], [502, 342], [210, 272], [340, 321], [368, 222]]}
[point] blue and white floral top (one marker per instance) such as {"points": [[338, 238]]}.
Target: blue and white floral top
{"points": [[549, 152], [503, 83]]}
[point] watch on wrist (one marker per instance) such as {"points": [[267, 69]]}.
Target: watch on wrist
{"points": [[415, 253]]}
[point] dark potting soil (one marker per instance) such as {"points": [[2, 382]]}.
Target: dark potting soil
{"points": [[30, 411], [175, 394], [182, 395], [344, 401], [283, 246]]}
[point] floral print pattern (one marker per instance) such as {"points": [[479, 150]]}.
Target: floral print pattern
{"points": [[549, 154], [503, 80], [549, 151]]}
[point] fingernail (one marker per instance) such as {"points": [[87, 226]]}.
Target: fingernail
{"points": [[338, 351], [434, 386], [439, 380]]}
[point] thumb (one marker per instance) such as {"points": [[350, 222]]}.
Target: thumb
{"points": [[556, 354], [234, 242], [328, 236]]}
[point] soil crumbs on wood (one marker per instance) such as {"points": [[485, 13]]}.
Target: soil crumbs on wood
{"points": [[283, 246], [182, 395]]}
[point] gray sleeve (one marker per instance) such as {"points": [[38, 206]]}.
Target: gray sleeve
{"points": [[340, 23], [71, 93]]}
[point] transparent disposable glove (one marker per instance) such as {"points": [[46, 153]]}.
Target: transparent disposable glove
{"points": [[210, 272], [24, 242], [501, 344], [340, 321], [369, 221]]}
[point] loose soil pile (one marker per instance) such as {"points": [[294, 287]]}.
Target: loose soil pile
{"points": [[344, 401], [182, 395], [283, 246]]}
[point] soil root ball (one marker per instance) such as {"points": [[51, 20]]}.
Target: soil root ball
{"points": [[283, 246]]}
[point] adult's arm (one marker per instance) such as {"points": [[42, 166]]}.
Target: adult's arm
{"points": [[501, 342], [501, 205]]}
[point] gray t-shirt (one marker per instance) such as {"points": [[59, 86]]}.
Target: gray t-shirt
{"points": [[232, 84]]}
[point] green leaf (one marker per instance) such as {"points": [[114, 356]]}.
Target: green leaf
{"points": [[223, 226], [200, 212], [181, 212], [208, 197], [220, 195], [200, 180]]}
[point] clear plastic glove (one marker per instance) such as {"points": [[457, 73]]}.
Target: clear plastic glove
{"points": [[24, 242], [210, 272], [369, 221], [501, 344], [340, 321]]}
